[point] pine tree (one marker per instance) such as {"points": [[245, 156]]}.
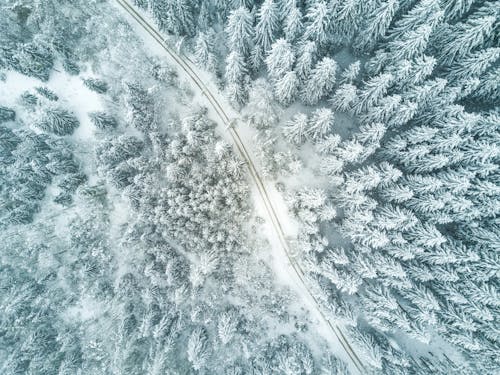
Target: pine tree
{"points": [[34, 59], [373, 91], [293, 24], [410, 73], [347, 18], [454, 9], [410, 45], [141, 110], [262, 110], [305, 60], [235, 68], [197, 349], [184, 24], [286, 88], [204, 48], [473, 65], [460, 39], [175, 16], [103, 121], [375, 26], [280, 59], [226, 327], [488, 91], [321, 81], [351, 73], [7, 114], [317, 22], [425, 12], [97, 85], [320, 123], [295, 129], [240, 31], [267, 24], [344, 97], [58, 121], [383, 112], [237, 93]]}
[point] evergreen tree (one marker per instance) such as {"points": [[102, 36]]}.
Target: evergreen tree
{"points": [[235, 68], [140, 105], [103, 121], [320, 124], [425, 12], [197, 349], [58, 121], [295, 130], [344, 97], [174, 16], [293, 27], [351, 73], [267, 25], [347, 18], [96, 85], [410, 45], [456, 9], [473, 65], [306, 56], [262, 111], [321, 81], [373, 91], [34, 59], [376, 25], [286, 88], [7, 114], [280, 59], [204, 51], [458, 40], [317, 22], [240, 30]]}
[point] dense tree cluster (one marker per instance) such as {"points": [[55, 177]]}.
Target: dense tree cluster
{"points": [[30, 163], [415, 188], [33, 39]]}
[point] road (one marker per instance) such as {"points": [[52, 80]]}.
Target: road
{"points": [[190, 70]]}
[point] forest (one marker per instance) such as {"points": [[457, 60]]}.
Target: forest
{"points": [[339, 217]]}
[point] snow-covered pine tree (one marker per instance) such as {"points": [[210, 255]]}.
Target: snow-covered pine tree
{"points": [[293, 26], [268, 19], [236, 68], [306, 56], [375, 26], [295, 130], [320, 123], [455, 41], [372, 91], [280, 59], [317, 24], [240, 30], [286, 88], [321, 81], [204, 51], [344, 97], [58, 121], [197, 348]]}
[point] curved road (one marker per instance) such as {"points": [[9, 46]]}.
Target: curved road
{"points": [[186, 66]]}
